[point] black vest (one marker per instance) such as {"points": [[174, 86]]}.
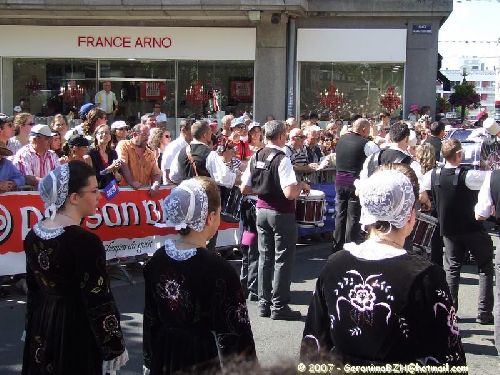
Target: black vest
{"points": [[387, 156], [199, 153], [265, 178], [454, 201], [350, 153], [495, 192]]}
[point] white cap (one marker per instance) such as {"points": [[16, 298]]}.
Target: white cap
{"points": [[18, 109], [238, 121], [491, 126], [253, 125], [119, 125], [42, 130]]}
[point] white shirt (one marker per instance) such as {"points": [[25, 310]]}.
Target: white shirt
{"points": [[473, 179], [484, 206], [394, 146], [215, 166], [370, 148], [285, 171], [162, 117], [105, 100], [170, 153]]}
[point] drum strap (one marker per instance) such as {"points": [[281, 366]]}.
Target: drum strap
{"points": [[191, 160], [457, 174], [436, 173], [266, 164]]}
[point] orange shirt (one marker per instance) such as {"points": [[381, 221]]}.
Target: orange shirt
{"points": [[142, 168]]}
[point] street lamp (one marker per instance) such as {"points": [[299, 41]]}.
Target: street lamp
{"points": [[465, 73]]}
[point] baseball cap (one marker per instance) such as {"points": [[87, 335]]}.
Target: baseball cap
{"points": [[238, 121], [85, 109], [41, 129], [78, 140], [254, 125], [18, 109]]}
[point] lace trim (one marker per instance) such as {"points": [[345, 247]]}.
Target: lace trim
{"points": [[47, 233], [179, 255]]}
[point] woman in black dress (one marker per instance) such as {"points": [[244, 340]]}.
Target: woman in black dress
{"points": [[104, 158], [375, 303], [72, 323], [195, 316]]}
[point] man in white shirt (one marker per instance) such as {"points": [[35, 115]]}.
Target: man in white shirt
{"points": [[454, 190], [106, 100], [270, 176], [161, 118], [173, 148], [488, 204]]}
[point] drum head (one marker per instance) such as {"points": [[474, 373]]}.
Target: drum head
{"points": [[313, 195]]}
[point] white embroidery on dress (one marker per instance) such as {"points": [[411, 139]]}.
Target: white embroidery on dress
{"points": [[362, 299], [306, 337], [451, 318], [47, 233], [179, 255], [242, 313]]}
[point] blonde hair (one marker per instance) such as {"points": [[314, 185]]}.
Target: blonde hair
{"points": [[426, 157], [155, 136], [20, 120]]}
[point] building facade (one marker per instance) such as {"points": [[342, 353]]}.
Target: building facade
{"points": [[207, 58]]}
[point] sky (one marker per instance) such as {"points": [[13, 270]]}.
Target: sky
{"points": [[471, 20]]}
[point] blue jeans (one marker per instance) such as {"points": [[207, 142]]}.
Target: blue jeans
{"points": [[277, 236]]}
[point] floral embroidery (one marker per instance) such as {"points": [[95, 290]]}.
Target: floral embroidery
{"points": [[451, 318], [111, 325], [170, 290], [44, 260], [242, 313], [362, 298]]}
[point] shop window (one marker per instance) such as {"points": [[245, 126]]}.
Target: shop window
{"points": [[45, 87], [208, 87], [340, 90], [137, 69]]}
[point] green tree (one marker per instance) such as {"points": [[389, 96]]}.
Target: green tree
{"points": [[465, 96]]}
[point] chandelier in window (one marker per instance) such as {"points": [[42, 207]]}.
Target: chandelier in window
{"points": [[33, 86], [390, 100], [331, 98], [196, 94], [72, 92]]}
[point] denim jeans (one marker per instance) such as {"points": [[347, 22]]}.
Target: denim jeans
{"points": [[480, 245], [277, 236]]}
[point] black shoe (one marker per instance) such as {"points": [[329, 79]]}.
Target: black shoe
{"points": [[485, 318], [265, 311], [286, 313]]}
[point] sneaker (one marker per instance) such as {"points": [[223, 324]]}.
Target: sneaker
{"points": [[286, 313], [265, 311], [485, 318]]}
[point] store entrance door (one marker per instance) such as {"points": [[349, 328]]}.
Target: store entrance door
{"points": [[137, 97]]}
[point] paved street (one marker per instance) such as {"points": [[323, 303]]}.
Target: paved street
{"points": [[276, 341]]}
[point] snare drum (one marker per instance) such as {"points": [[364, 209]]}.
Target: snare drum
{"points": [[309, 209], [422, 232], [231, 204]]}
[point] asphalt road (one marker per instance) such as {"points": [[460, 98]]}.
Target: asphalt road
{"points": [[277, 341]]}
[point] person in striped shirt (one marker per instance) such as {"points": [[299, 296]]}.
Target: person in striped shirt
{"points": [[36, 159]]}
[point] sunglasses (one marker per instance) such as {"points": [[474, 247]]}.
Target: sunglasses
{"points": [[167, 135], [300, 137]]}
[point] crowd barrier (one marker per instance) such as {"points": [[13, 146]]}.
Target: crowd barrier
{"points": [[125, 224]]}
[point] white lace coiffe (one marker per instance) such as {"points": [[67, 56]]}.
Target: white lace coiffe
{"points": [[187, 206], [386, 196], [53, 188]]}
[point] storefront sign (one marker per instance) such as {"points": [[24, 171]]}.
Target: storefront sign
{"points": [[182, 43], [125, 224], [352, 45], [92, 41], [422, 29], [242, 91]]}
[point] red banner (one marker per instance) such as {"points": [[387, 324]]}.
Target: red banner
{"points": [[126, 224]]}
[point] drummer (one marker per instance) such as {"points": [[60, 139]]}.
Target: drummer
{"points": [[454, 190], [270, 176], [204, 162]]}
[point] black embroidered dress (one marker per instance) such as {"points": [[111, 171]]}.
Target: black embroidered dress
{"points": [[72, 323], [195, 314], [392, 310]]}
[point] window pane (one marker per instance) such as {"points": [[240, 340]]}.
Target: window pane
{"points": [[361, 85], [137, 69], [50, 86], [233, 80]]}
